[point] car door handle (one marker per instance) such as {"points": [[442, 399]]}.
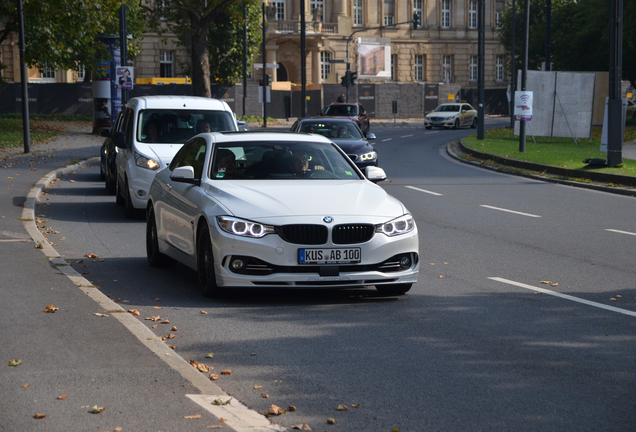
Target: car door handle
{"points": [[169, 186]]}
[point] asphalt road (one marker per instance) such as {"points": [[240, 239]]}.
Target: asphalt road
{"points": [[522, 319]]}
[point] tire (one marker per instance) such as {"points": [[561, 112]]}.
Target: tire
{"points": [[394, 289], [119, 199], [102, 174], [205, 263], [130, 211], [155, 257], [456, 125], [474, 125], [110, 184], [429, 127]]}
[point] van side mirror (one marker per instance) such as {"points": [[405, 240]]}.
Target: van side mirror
{"points": [[119, 140]]}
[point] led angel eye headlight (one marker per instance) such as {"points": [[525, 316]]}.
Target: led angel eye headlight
{"points": [[398, 226], [243, 228]]}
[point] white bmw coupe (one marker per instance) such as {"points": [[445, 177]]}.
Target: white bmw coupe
{"points": [[279, 210]]}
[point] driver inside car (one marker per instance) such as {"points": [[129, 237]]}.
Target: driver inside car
{"points": [[300, 164]]}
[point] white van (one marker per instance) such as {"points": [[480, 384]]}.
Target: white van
{"points": [[152, 130]]}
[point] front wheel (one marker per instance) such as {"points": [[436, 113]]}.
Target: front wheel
{"points": [[474, 125], [205, 263], [119, 198], [456, 126], [155, 257], [429, 127], [394, 289], [129, 210]]}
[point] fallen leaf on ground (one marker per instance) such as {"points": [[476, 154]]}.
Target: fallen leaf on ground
{"points": [[39, 416], [171, 336], [226, 372], [355, 405], [91, 256], [172, 347], [221, 401], [15, 362], [342, 408], [274, 410], [331, 420], [135, 312], [100, 314], [203, 312], [612, 299], [303, 426], [155, 326], [196, 416], [26, 385], [164, 322], [442, 276], [158, 299], [209, 355], [96, 410], [258, 387], [204, 368], [291, 408], [62, 397], [152, 318], [156, 307], [174, 328], [51, 309], [264, 395], [214, 377], [222, 420], [117, 429]]}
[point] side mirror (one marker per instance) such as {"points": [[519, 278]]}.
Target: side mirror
{"points": [[119, 140], [375, 174], [370, 136], [184, 174]]}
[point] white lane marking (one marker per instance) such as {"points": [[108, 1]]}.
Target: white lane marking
{"points": [[621, 232], [387, 139], [406, 136], [423, 190], [510, 211], [565, 296], [236, 415]]}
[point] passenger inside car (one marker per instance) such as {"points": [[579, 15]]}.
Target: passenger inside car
{"points": [[225, 164]]}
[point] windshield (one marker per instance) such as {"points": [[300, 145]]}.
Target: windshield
{"points": [[178, 126], [332, 130], [340, 110], [447, 108], [281, 160]]}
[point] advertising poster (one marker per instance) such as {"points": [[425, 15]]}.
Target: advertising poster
{"points": [[374, 57], [125, 77], [523, 106]]}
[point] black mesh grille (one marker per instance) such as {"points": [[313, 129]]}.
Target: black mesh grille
{"points": [[352, 233], [303, 234]]}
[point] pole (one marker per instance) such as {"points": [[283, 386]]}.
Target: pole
{"points": [[548, 34], [481, 69], [615, 122], [264, 72], [303, 60], [524, 70], [25, 85], [123, 39], [512, 70], [244, 56]]}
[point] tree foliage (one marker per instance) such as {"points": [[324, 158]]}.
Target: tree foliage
{"points": [[579, 35], [61, 33], [212, 32]]}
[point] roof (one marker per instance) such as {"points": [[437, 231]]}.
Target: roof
{"points": [[178, 102]]}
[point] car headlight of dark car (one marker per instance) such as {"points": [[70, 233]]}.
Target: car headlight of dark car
{"points": [[243, 228], [368, 156], [398, 226]]}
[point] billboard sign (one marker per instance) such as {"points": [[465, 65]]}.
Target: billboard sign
{"points": [[374, 57]]}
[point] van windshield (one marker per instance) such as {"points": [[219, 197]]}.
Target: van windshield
{"points": [[178, 126]]}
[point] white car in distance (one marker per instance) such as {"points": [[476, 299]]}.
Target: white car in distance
{"points": [[279, 210], [451, 115]]}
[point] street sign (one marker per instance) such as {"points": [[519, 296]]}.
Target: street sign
{"points": [[269, 65], [337, 61]]}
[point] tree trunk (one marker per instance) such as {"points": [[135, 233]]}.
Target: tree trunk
{"points": [[201, 62]]}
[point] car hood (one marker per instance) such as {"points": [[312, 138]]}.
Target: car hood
{"points": [[443, 114], [353, 146], [267, 201], [163, 152]]}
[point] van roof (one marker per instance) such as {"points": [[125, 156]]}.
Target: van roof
{"points": [[178, 102]]}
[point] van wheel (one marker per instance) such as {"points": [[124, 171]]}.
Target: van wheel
{"points": [[119, 198], [155, 257], [394, 289], [205, 263], [130, 211]]}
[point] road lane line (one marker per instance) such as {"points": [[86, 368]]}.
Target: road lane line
{"points": [[387, 139], [510, 211], [406, 136], [565, 296], [424, 190], [621, 232]]}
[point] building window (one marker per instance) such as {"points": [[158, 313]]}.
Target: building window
{"points": [[166, 64], [472, 14], [472, 73], [446, 14], [81, 72], [389, 12], [358, 19], [325, 65], [417, 9], [499, 10], [47, 72], [419, 68], [447, 69], [499, 69], [320, 13], [394, 67], [279, 8]]}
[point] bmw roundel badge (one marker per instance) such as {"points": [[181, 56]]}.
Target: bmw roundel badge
{"points": [[327, 219]]}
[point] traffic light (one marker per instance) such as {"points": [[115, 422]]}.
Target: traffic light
{"points": [[352, 78], [265, 81], [343, 79], [416, 20]]}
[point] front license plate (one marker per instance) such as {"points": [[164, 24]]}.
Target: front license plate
{"points": [[329, 256]]}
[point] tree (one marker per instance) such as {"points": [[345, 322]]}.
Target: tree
{"points": [[580, 35], [61, 33], [214, 27]]}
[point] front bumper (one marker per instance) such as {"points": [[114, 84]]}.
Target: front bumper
{"points": [[439, 121]]}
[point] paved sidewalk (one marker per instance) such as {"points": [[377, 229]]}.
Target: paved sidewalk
{"points": [[89, 352]]}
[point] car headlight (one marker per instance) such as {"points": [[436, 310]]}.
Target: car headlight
{"points": [[367, 156], [397, 226], [144, 162], [243, 228]]}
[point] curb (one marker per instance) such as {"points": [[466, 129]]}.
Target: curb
{"points": [[239, 417], [540, 172]]}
